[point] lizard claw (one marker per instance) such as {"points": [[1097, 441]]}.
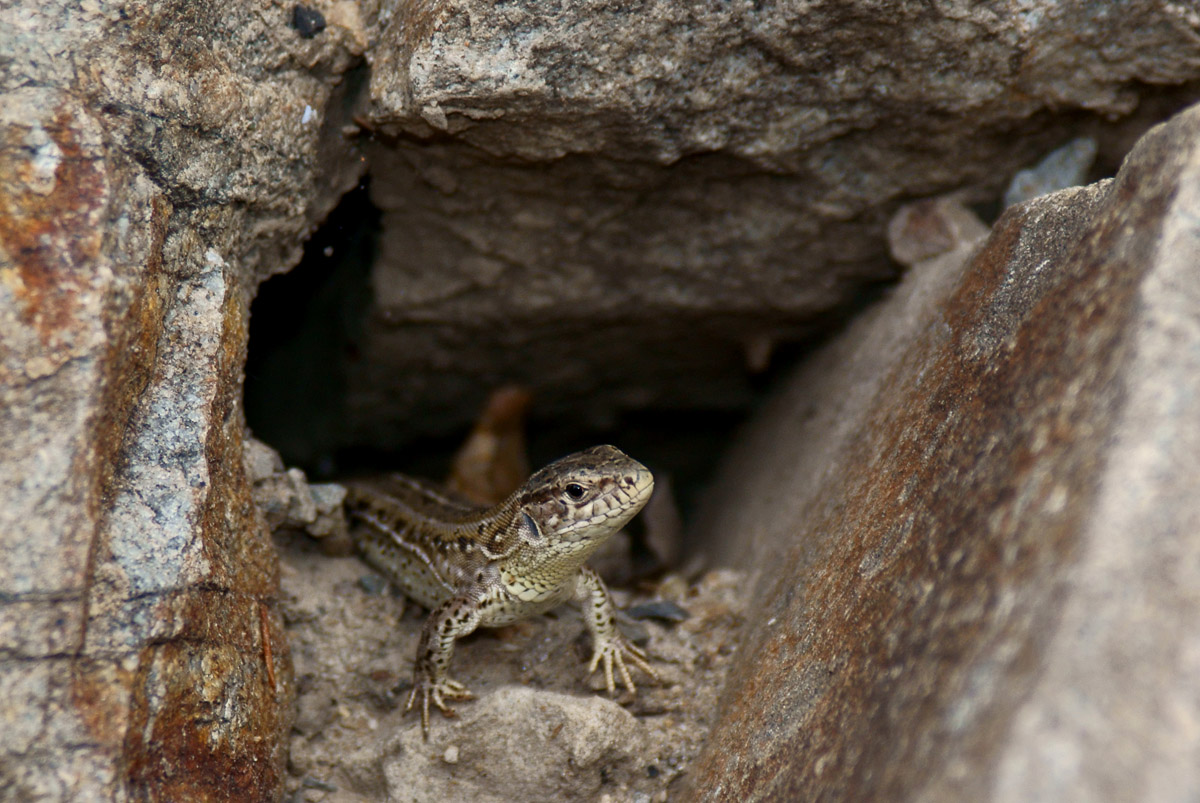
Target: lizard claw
{"points": [[615, 652], [438, 691]]}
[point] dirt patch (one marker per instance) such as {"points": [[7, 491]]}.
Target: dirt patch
{"points": [[534, 732]]}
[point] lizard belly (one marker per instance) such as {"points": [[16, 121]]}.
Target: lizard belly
{"points": [[517, 598]]}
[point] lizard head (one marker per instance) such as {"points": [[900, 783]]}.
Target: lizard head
{"points": [[584, 498]]}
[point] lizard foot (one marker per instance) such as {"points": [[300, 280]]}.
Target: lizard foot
{"points": [[615, 651], [438, 691]]}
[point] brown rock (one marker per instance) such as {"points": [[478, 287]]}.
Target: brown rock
{"points": [[493, 461], [927, 229], [975, 521]]}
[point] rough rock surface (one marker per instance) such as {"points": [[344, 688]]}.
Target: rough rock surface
{"points": [[980, 512], [619, 204], [159, 158], [288, 501], [534, 733], [156, 160]]}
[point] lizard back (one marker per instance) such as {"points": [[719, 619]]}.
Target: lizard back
{"points": [[424, 539]]}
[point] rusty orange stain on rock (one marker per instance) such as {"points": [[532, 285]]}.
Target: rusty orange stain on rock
{"points": [[189, 739], [51, 233], [206, 720]]}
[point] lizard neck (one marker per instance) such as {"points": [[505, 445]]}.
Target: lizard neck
{"points": [[549, 561]]}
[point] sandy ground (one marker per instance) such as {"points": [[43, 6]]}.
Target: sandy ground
{"points": [[538, 730]]}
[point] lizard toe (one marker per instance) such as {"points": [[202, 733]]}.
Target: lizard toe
{"points": [[624, 670]]}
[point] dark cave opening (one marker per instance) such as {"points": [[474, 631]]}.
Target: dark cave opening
{"points": [[307, 331]]}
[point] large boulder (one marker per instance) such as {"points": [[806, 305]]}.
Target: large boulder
{"points": [[975, 526], [621, 205], [156, 161]]}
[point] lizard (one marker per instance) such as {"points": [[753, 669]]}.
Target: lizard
{"points": [[473, 566]]}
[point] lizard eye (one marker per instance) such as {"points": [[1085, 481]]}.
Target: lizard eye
{"points": [[575, 491]]}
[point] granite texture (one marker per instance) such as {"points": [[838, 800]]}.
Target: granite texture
{"points": [[157, 159]]}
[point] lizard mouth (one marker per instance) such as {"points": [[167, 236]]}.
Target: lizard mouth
{"points": [[612, 510]]}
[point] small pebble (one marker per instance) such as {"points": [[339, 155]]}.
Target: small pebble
{"points": [[308, 22], [662, 610], [633, 630], [673, 587], [310, 782], [373, 584], [1066, 167], [451, 754]]}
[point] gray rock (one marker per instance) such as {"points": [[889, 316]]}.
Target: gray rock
{"points": [[980, 515], [763, 82], [517, 743], [286, 498], [618, 205], [1064, 167]]}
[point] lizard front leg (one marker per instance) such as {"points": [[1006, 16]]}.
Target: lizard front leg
{"points": [[453, 619], [609, 645]]}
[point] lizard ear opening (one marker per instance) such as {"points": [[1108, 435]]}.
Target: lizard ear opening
{"points": [[529, 528]]}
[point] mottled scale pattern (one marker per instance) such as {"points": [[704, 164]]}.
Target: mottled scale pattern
{"points": [[484, 567], [408, 539]]}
